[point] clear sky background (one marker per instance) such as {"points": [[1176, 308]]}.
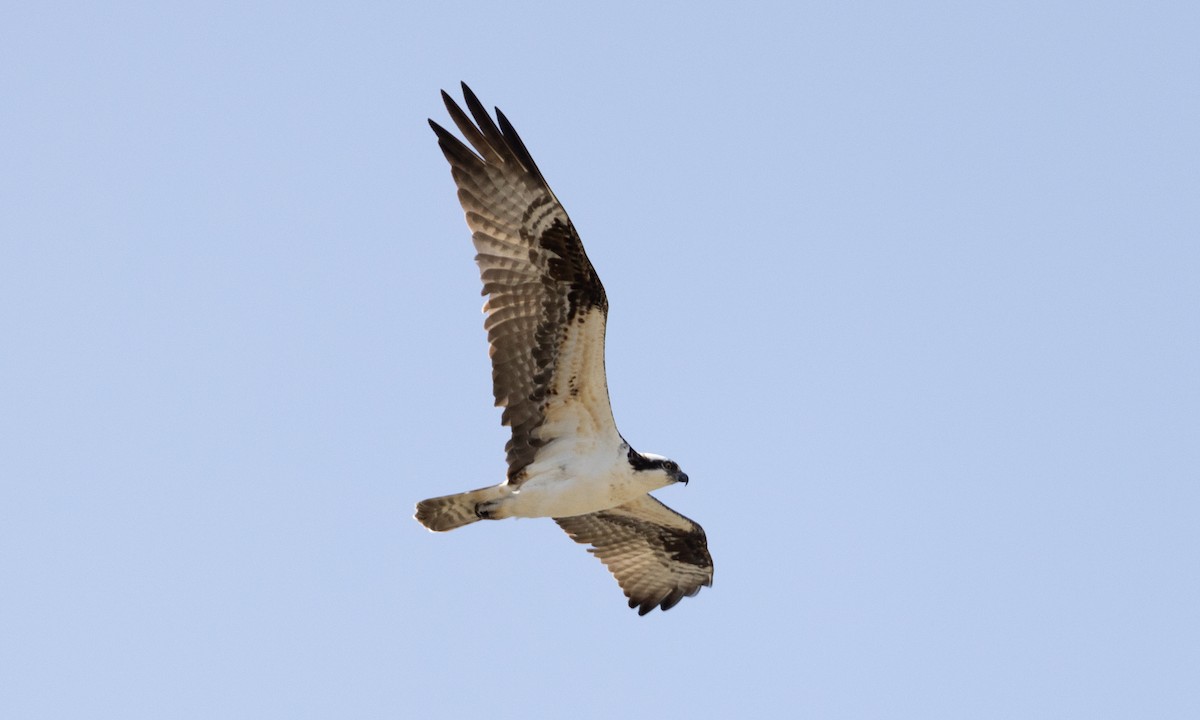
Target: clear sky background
{"points": [[912, 292]]}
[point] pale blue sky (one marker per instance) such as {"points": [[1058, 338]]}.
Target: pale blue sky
{"points": [[910, 291]]}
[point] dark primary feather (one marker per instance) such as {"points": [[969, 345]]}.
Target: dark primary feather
{"points": [[534, 269], [657, 555]]}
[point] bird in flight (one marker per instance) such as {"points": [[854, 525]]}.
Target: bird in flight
{"points": [[545, 318]]}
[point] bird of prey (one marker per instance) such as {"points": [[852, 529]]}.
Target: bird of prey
{"points": [[545, 318]]}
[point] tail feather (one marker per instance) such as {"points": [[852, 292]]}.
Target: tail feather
{"points": [[448, 512]]}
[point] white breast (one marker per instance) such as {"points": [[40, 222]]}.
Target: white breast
{"points": [[564, 481]]}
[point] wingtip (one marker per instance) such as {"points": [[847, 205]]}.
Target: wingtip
{"points": [[470, 97], [448, 101], [469, 94], [446, 139], [644, 607]]}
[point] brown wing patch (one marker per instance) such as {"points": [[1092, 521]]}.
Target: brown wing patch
{"points": [[657, 555], [534, 269]]}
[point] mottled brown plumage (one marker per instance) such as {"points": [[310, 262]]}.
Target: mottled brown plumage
{"points": [[545, 318], [657, 555], [535, 271]]}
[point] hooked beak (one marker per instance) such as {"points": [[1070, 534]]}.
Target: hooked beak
{"points": [[681, 477]]}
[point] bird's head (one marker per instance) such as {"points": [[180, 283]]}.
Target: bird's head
{"points": [[649, 462]]}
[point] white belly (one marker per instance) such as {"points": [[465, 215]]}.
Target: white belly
{"points": [[576, 484]]}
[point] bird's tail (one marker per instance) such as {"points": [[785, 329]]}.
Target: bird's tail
{"points": [[447, 512]]}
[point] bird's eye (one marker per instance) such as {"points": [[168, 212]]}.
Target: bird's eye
{"points": [[670, 466]]}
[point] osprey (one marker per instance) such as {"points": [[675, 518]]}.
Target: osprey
{"points": [[546, 312]]}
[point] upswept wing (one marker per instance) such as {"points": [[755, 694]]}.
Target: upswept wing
{"points": [[657, 555], [536, 275]]}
